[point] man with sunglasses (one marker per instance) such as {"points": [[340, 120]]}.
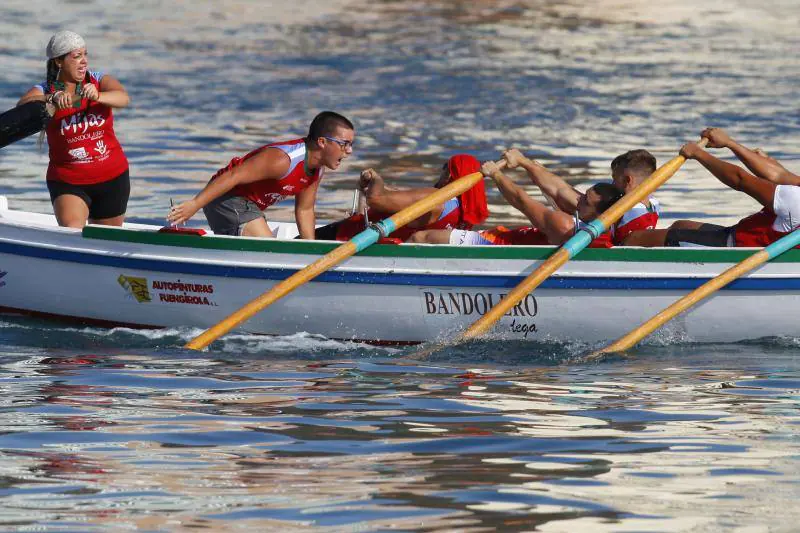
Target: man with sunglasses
{"points": [[234, 198]]}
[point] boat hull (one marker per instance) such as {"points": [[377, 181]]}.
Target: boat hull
{"points": [[390, 294]]}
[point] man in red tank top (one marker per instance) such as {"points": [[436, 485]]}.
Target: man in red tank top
{"points": [[774, 187], [234, 198], [628, 170]]}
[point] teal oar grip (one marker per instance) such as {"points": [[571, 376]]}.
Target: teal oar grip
{"points": [[783, 244], [366, 238], [373, 234], [584, 237]]}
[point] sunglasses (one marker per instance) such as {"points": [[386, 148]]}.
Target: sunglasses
{"points": [[344, 145]]}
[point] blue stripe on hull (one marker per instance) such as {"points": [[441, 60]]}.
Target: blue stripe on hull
{"points": [[428, 280]]}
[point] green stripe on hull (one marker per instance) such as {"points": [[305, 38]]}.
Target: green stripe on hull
{"points": [[241, 244]]}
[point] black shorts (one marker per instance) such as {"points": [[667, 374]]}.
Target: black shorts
{"points": [[105, 200], [706, 235]]}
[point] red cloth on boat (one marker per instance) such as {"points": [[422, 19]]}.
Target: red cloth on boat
{"points": [[472, 208], [473, 201]]}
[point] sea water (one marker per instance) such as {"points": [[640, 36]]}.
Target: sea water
{"points": [[120, 429]]}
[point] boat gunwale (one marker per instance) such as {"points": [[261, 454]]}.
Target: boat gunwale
{"points": [[533, 253]]}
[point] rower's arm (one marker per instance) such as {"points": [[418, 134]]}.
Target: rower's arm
{"points": [[112, 93], [304, 211], [764, 166], [737, 178], [563, 194], [270, 163], [556, 225], [391, 201]]}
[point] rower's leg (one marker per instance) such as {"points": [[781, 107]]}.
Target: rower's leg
{"points": [[686, 224], [113, 221], [431, 236], [71, 211], [646, 237], [257, 227]]}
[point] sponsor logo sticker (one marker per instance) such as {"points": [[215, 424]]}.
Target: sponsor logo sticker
{"points": [[168, 291], [136, 287], [79, 153]]}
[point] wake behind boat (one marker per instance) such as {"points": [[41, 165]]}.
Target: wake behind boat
{"points": [[397, 294]]}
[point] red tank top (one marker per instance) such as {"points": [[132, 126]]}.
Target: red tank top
{"points": [[350, 227], [269, 191], [640, 217], [756, 230], [525, 236], [83, 147]]}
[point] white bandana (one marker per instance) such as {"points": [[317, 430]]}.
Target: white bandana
{"points": [[64, 42]]}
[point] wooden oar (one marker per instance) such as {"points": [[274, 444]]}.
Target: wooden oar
{"points": [[361, 241], [574, 246], [703, 291]]}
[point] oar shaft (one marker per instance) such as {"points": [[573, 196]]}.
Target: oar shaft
{"points": [[22, 121], [708, 288], [439, 197], [278, 291], [485, 323], [361, 241], [574, 246]]}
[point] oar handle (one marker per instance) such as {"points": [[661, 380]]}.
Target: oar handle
{"points": [[24, 120]]}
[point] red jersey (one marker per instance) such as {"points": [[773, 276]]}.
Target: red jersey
{"points": [[639, 217], [83, 147], [768, 225], [269, 191], [525, 236]]}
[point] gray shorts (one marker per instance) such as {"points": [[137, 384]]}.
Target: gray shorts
{"points": [[228, 214]]}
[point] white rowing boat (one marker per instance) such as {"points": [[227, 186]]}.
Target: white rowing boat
{"points": [[137, 277]]}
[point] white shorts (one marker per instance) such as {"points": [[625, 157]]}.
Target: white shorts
{"points": [[465, 237], [786, 206]]}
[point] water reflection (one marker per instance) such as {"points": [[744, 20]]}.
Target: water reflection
{"points": [[265, 444]]}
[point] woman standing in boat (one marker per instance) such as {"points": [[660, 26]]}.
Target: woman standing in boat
{"points": [[88, 172], [463, 212], [234, 198]]}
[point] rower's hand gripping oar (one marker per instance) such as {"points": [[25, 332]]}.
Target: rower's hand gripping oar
{"points": [[358, 243], [703, 291], [575, 245]]}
